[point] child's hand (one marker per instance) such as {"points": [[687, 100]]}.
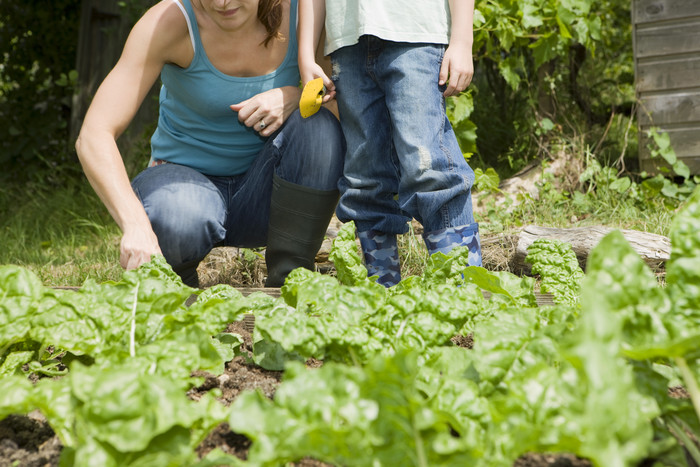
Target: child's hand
{"points": [[313, 71], [457, 69]]}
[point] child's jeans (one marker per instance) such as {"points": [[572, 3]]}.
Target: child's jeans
{"points": [[399, 140]]}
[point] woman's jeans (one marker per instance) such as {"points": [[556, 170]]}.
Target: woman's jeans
{"points": [[403, 160], [191, 213]]}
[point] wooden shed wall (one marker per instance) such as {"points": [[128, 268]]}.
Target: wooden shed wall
{"points": [[104, 27], [667, 67]]}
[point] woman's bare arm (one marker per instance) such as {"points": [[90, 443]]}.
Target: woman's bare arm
{"points": [[149, 46]]}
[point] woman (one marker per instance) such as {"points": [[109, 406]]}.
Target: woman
{"points": [[232, 161]]}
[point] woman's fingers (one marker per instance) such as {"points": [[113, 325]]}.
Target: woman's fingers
{"points": [[137, 247], [261, 113]]}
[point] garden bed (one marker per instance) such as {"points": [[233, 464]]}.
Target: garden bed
{"points": [[28, 441], [458, 366]]}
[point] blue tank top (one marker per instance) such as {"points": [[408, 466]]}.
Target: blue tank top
{"points": [[196, 126]]}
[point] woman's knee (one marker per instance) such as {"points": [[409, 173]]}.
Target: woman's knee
{"points": [[185, 232], [314, 154], [187, 215], [188, 240], [328, 130]]}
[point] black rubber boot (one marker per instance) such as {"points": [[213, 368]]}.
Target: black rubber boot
{"points": [[299, 217], [188, 273]]}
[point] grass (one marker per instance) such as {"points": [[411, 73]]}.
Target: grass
{"points": [[573, 189], [64, 235], [556, 209]]}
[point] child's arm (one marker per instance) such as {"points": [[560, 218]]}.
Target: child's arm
{"points": [[312, 15], [457, 66]]}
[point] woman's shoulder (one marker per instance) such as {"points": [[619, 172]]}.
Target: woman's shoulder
{"points": [[164, 27], [166, 16]]}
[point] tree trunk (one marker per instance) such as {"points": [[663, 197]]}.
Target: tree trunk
{"points": [[653, 249]]}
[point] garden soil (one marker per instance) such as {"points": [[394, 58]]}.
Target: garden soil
{"points": [[28, 441]]}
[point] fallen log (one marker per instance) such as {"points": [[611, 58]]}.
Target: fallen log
{"points": [[654, 249]]}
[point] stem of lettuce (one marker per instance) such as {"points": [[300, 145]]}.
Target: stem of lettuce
{"points": [[691, 384], [420, 451], [677, 427], [353, 357], [132, 333]]}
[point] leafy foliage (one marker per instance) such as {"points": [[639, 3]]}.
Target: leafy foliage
{"points": [[672, 167], [558, 268], [588, 376], [38, 42], [566, 64]]}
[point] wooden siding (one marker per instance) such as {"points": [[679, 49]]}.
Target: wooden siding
{"points": [[667, 68], [104, 27]]}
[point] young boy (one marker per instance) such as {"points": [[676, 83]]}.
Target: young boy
{"points": [[394, 62]]}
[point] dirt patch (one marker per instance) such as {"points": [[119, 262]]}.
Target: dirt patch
{"points": [[28, 441], [240, 374], [229, 442], [551, 460], [466, 342], [678, 392]]}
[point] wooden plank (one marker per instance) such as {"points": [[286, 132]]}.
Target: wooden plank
{"points": [[271, 291], [245, 291], [684, 140], [669, 75], [668, 39], [653, 249], [647, 164], [669, 108], [542, 299], [649, 11], [104, 27]]}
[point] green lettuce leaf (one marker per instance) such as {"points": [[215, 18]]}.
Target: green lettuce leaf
{"points": [[558, 268], [346, 258]]}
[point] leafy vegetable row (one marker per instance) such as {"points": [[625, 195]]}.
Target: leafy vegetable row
{"points": [[587, 376]]}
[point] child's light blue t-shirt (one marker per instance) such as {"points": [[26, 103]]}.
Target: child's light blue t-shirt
{"points": [[414, 21]]}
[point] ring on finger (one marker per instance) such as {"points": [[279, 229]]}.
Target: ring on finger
{"points": [[262, 124]]}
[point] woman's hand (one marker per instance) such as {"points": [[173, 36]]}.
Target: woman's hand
{"points": [[267, 111], [137, 246]]}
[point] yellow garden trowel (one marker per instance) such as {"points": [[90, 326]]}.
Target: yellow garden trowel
{"points": [[312, 97]]}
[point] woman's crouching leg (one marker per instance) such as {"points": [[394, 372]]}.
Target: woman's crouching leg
{"points": [[187, 213]]}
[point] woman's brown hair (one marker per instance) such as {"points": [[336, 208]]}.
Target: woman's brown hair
{"points": [[270, 15]]}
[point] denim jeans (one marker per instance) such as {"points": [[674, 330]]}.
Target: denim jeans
{"points": [[191, 212], [403, 160]]}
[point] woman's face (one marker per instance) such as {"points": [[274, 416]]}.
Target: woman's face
{"points": [[231, 14]]}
